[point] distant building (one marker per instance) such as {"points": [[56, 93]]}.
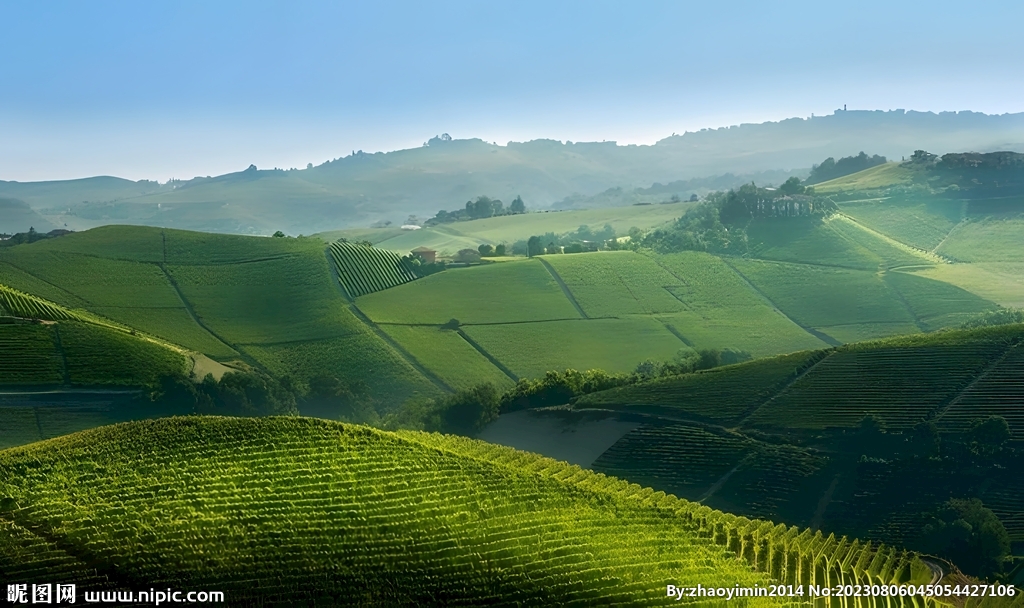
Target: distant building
{"points": [[426, 254], [410, 227]]}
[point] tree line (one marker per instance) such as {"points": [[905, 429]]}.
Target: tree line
{"points": [[482, 207]]}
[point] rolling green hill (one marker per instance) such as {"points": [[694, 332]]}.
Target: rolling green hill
{"points": [[796, 450], [298, 510]]}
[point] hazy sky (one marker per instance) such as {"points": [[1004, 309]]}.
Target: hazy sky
{"points": [[178, 89]]}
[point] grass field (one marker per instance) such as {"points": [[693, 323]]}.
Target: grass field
{"points": [[721, 395], [617, 283], [347, 512], [881, 176], [448, 356], [849, 305], [614, 345], [493, 293], [920, 222], [449, 238], [889, 252], [987, 239]]}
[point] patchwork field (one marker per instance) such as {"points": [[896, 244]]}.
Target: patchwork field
{"points": [[855, 305], [808, 240], [448, 356], [617, 283], [902, 381]]}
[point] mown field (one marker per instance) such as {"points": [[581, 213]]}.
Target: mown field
{"points": [[346, 512], [986, 239], [921, 222]]}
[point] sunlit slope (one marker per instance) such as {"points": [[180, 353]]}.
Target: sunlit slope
{"points": [[299, 510], [901, 380], [815, 402], [881, 176], [271, 302]]}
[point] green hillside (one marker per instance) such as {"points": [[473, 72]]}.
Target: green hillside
{"points": [[269, 302], [882, 176], [74, 353], [276, 510], [363, 270], [797, 449]]}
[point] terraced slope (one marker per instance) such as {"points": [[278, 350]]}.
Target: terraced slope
{"points": [[17, 304], [292, 510]]}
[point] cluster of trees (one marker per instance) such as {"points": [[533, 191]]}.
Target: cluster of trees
{"points": [[831, 168], [21, 238], [253, 393], [718, 223], [967, 533], [493, 251], [482, 207], [582, 239], [689, 361], [1002, 316]]}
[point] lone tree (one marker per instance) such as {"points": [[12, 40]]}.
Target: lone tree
{"points": [[279, 235], [533, 246], [517, 206]]}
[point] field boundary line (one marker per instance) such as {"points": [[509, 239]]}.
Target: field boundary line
{"points": [[924, 254], [54, 285], [723, 479], [483, 351], [398, 348], [103, 569], [949, 234], [903, 300], [63, 355], [746, 416], [824, 502], [675, 332], [380, 333], [565, 288], [195, 318], [39, 423], [827, 339], [942, 409]]}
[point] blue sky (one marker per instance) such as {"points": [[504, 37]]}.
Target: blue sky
{"points": [[177, 89]]}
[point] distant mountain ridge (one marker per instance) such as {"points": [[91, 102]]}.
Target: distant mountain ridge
{"points": [[362, 188]]}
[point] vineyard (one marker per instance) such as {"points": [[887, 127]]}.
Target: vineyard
{"points": [[300, 510], [17, 304], [720, 395], [28, 355], [493, 293], [615, 283], [364, 270], [920, 223], [999, 393], [901, 381], [613, 345], [857, 304]]}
